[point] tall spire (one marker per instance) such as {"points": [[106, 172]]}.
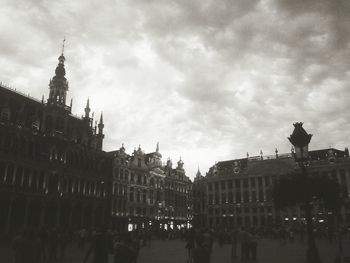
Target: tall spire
{"points": [[63, 42], [87, 109], [71, 104], [198, 172], [157, 148], [58, 84], [101, 118], [101, 125]]}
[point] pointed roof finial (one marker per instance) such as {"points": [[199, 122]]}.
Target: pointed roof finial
{"points": [[101, 118], [122, 148], [87, 109], [64, 40], [198, 174], [157, 148]]}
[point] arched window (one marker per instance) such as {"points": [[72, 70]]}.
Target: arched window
{"points": [[34, 180], [26, 175], [41, 182], [9, 174], [126, 175], [139, 179], [53, 184], [2, 172], [18, 176]]}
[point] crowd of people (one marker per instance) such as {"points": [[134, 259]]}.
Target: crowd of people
{"points": [[101, 245], [200, 243], [39, 246], [98, 245]]}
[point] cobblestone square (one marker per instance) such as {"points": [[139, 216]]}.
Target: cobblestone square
{"points": [[173, 251]]}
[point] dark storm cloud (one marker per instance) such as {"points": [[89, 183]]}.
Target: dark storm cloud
{"points": [[208, 79]]}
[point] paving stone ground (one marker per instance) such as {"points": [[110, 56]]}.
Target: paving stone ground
{"points": [[173, 251]]}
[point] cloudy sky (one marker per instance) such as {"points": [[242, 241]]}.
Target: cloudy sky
{"points": [[209, 79]]}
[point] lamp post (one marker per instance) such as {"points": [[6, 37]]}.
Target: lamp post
{"points": [[300, 140]]}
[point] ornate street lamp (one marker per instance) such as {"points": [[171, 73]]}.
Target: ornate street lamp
{"points": [[300, 140]]}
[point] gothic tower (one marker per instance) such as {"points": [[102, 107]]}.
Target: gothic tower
{"points": [[100, 134], [58, 84]]}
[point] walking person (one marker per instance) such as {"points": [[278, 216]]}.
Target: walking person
{"points": [[201, 252], [63, 240], [100, 247], [124, 252], [253, 244], [135, 242], [52, 245], [31, 248], [17, 246], [190, 244], [234, 240], [244, 241], [43, 243]]}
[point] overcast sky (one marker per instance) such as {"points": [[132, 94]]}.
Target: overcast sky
{"points": [[210, 80]]}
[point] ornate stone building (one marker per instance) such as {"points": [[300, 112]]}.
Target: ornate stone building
{"points": [[148, 194], [53, 172], [238, 192]]}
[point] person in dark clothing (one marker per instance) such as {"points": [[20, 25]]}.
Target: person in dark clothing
{"points": [[31, 248], [234, 241], [43, 243], [253, 244], [17, 246], [100, 247], [201, 253], [124, 252], [190, 245], [52, 245], [63, 240]]}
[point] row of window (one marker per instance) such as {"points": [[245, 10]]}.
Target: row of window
{"points": [[29, 179], [239, 183], [239, 197], [31, 149], [143, 211], [119, 207], [141, 179], [239, 210], [244, 220]]}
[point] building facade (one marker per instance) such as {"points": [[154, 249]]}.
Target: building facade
{"points": [[239, 192], [53, 171], [147, 194]]}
